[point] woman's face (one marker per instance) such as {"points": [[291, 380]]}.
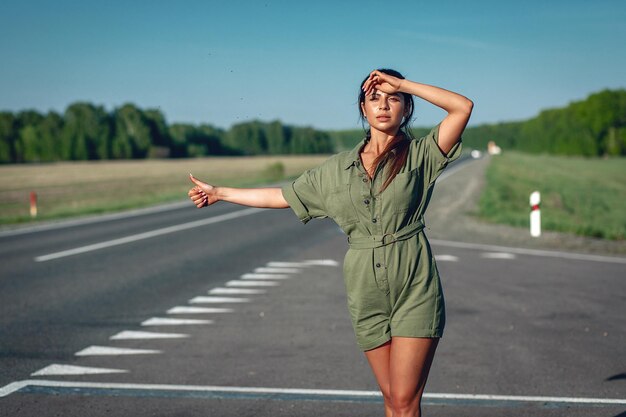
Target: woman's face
{"points": [[384, 111]]}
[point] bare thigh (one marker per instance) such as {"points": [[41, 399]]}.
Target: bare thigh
{"points": [[401, 367]]}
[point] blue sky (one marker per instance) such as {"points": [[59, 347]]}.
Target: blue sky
{"points": [[221, 62]]}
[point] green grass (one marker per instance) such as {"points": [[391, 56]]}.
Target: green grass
{"points": [[72, 189], [578, 195]]}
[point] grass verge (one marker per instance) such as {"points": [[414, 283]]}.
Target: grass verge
{"points": [[72, 189], [578, 195]]}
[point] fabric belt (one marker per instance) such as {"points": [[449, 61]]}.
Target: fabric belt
{"points": [[377, 241]]}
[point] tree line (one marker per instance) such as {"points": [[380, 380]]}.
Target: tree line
{"points": [[595, 126], [89, 132]]}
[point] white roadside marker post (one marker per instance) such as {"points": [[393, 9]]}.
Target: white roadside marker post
{"points": [[33, 204], [535, 214]]}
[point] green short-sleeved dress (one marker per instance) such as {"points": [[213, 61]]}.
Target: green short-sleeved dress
{"points": [[390, 273]]}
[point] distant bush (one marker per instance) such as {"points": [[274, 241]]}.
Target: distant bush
{"points": [[274, 172]]}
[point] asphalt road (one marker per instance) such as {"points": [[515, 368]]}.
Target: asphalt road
{"points": [[520, 324]]}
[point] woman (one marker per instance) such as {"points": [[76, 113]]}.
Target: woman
{"points": [[378, 193]]}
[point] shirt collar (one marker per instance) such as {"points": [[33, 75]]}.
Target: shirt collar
{"points": [[352, 157]]}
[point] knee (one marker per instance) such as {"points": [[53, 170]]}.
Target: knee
{"points": [[386, 396], [405, 403]]}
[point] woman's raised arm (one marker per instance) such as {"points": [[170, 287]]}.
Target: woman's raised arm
{"points": [[204, 195], [459, 108]]}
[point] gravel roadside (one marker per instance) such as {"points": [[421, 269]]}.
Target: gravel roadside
{"points": [[452, 216]]}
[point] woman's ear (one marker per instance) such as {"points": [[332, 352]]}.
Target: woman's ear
{"points": [[407, 110], [363, 110]]}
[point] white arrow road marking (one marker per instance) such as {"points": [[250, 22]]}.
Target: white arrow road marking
{"points": [[448, 258], [264, 276], [165, 321], [204, 299], [56, 369], [233, 291], [251, 284], [264, 270], [131, 335], [498, 255], [197, 310], [322, 262], [112, 351]]}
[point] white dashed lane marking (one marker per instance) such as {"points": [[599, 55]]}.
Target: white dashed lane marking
{"points": [[136, 335], [264, 270], [531, 252], [233, 291], [114, 351], [197, 310], [237, 283], [57, 369], [498, 255], [204, 299], [322, 262], [260, 278], [447, 258], [264, 276], [166, 321], [287, 264]]}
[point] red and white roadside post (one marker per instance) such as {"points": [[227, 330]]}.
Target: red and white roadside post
{"points": [[535, 214], [33, 204]]}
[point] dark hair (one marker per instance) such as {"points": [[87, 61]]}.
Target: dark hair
{"points": [[398, 148]]}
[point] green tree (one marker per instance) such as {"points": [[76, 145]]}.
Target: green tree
{"points": [[86, 132], [276, 137], [132, 137], [159, 133], [247, 138], [8, 133], [25, 140], [50, 132]]}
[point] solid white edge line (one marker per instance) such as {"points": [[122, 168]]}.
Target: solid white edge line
{"points": [[15, 386], [523, 251], [62, 224], [147, 235]]}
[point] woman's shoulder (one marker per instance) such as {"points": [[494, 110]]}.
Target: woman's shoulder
{"points": [[335, 161]]}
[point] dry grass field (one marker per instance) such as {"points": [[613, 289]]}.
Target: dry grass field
{"points": [[76, 188]]}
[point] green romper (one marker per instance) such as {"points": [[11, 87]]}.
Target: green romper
{"points": [[390, 273]]}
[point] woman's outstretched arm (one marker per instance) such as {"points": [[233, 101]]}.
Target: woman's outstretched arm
{"points": [[204, 194], [459, 108]]}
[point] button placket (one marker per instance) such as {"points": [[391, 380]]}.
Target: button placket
{"points": [[380, 270]]}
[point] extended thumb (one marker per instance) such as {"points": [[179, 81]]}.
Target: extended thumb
{"points": [[194, 180]]}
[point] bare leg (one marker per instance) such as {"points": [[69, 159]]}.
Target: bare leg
{"points": [[379, 362], [409, 363]]}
